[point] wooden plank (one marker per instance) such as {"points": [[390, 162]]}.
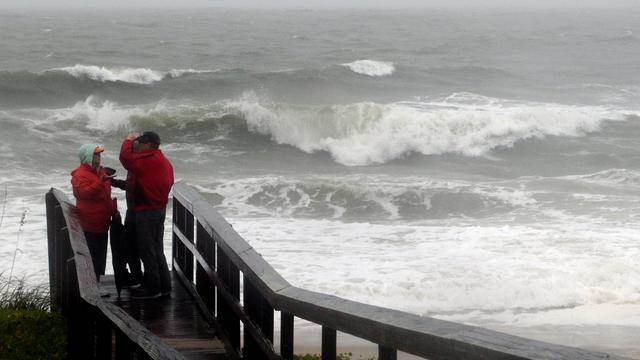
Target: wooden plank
{"points": [[230, 312], [208, 315]]}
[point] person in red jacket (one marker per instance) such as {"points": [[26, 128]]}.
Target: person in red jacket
{"points": [[153, 181], [92, 190]]}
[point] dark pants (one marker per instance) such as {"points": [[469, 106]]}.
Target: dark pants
{"points": [[131, 243], [97, 243], [150, 233]]}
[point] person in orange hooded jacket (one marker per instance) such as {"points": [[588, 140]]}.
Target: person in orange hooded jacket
{"points": [[92, 190]]}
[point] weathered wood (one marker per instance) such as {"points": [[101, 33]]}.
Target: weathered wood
{"points": [[422, 336], [207, 314], [104, 337], [329, 343], [52, 208], [206, 248], [286, 336], [385, 353], [81, 294], [124, 349], [176, 319], [230, 291], [230, 312], [219, 260]]}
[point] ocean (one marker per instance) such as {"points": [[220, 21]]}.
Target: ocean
{"points": [[479, 166]]}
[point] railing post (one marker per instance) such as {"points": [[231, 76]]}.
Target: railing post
{"points": [[188, 256], [52, 229], [124, 349], [183, 220], [104, 336], [329, 343], [260, 313], [174, 237], [230, 276], [205, 287], [81, 327], [385, 353], [286, 336]]}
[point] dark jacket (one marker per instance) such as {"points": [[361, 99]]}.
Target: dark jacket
{"points": [[153, 177], [93, 198], [129, 186]]}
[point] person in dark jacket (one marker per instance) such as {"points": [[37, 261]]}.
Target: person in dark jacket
{"points": [[92, 190], [153, 181]]}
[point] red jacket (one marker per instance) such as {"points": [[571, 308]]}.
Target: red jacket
{"points": [[153, 177], [93, 198]]}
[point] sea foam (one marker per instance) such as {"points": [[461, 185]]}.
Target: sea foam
{"points": [[371, 67]]}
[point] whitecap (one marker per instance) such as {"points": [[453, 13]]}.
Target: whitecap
{"points": [[371, 67], [124, 74]]}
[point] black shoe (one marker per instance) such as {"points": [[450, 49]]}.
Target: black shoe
{"points": [[131, 285], [143, 294]]}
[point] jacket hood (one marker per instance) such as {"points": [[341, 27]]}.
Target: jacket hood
{"points": [[85, 153]]}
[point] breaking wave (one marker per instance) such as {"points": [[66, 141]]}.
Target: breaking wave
{"points": [[358, 134], [125, 74], [357, 198], [371, 67], [372, 133]]}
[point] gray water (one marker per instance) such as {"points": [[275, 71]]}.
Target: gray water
{"points": [[475, 165]]}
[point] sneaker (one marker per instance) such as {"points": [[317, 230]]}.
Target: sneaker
{"points": [[143, 294]]}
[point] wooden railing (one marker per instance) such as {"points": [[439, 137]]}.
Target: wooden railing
{"points": [[97, 329], [214, 261]]}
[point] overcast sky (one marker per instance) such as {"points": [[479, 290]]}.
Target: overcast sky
{"points": [[322, 3]]}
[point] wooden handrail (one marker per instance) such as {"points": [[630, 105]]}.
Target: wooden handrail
{"points": [[392, 330], [75, 293]]}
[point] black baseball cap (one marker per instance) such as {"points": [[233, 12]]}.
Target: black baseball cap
{"points": [[148, 137]]}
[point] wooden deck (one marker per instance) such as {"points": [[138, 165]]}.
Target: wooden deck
{"points": [[176, 319], [213, 265]]}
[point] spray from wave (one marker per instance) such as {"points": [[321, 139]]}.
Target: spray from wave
{"points": [[371, 67], [130, 75], [105, 115]]}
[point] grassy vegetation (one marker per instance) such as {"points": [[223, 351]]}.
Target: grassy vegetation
{"points": [[28, 331], [15, 295]]}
